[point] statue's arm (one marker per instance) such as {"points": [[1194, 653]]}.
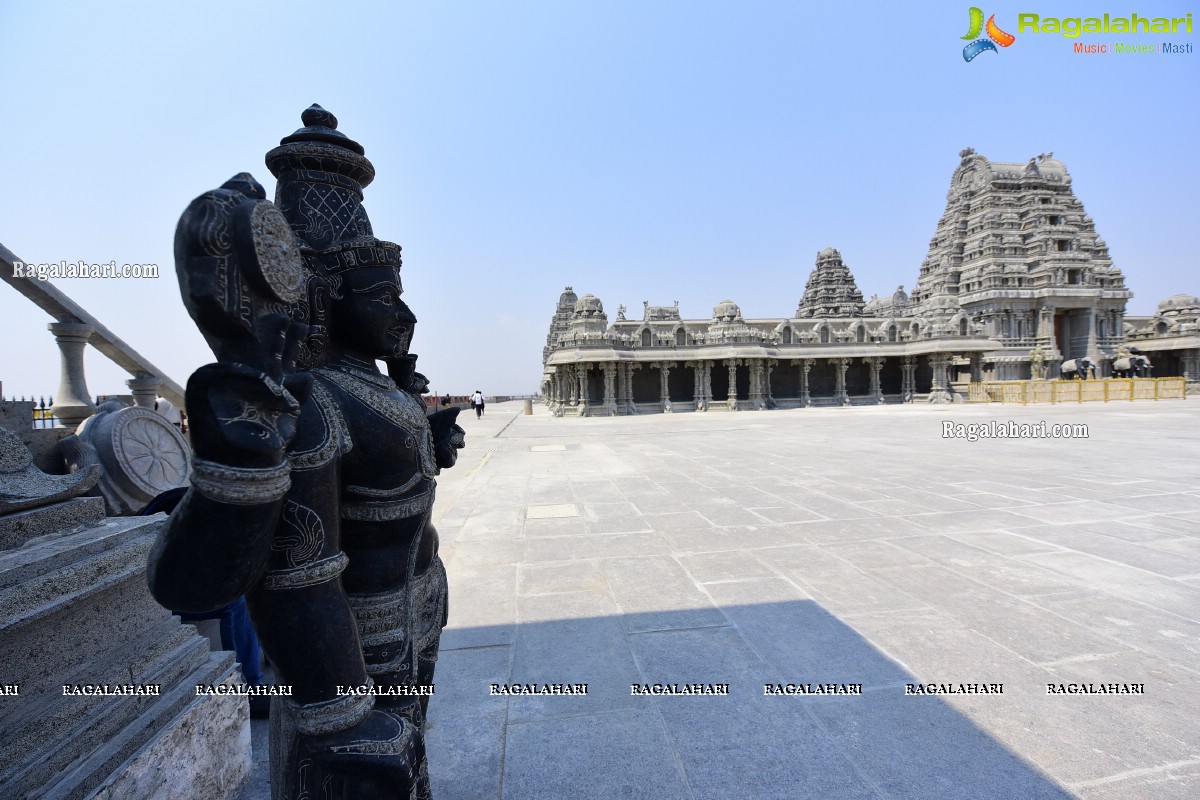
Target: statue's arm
{"points": [[216, 543]]}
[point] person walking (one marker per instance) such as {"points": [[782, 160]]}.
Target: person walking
{"points": [[477, 401]]}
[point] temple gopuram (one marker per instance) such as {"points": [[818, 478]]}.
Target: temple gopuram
{"points": [[1016, 282]]}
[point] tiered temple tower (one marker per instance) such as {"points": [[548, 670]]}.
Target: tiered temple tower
{"points": [[1016, 252], [560, 323], [831, 290]]}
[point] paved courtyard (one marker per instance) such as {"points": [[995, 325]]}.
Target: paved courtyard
{"points": [[823, 546]]}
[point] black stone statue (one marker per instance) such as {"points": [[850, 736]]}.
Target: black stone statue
{"points": [[313, 472]]}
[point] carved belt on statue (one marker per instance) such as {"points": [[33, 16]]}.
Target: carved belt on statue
{"points": [[383, 629], [383, 509], [429, 597]]}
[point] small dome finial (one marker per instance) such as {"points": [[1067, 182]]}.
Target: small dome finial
{"points": [[314, 115]]}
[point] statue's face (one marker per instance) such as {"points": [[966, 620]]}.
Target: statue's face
{"points": [[370, 319]]}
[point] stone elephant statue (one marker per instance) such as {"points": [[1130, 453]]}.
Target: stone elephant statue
{"points": [[1078, 368], [1132, 367]]}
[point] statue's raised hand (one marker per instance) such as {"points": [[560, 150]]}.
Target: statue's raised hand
{"points": [[243, 281]]}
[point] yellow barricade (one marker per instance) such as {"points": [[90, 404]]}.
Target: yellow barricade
{"points": [[1077, 391]]}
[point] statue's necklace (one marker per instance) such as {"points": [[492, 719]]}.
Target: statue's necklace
{"points": [[366, 375]]}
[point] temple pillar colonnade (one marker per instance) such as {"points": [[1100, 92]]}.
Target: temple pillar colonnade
{"points": [[769, 397]]}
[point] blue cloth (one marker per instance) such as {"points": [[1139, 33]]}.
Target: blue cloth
{"points": [[237, 634]]}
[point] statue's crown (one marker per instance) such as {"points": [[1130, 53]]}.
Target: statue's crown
{"points": [[321, 174]]}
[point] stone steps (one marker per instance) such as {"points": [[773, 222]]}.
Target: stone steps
{"points": [[75, 609]]}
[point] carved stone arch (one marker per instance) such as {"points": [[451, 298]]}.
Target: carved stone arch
{"points": [[890, 330], [680, 336], [960, 325], [645, 336], [858, 330], [824, 332]]}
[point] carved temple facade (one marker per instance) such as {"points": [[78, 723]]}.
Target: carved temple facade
{"points": [[1015, 282]]}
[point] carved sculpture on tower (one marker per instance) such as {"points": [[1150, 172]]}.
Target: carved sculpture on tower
{"points": [[313, 473]]}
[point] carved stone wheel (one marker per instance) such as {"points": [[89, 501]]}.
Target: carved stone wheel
{"points": [[152, 454]]}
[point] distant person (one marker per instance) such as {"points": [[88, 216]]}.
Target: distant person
{"points": [[477, 401], [446, 401]]}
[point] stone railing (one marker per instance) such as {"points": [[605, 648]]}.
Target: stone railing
{"points": [[74, 328]]}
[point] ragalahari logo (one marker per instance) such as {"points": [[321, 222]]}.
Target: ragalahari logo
{"points": [[994, 35]]}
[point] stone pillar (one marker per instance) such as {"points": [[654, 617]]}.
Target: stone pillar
{"points": [[806, 365], [1190, 361], [664, 387], [553, 399], [610, 400], [940, 392], [756, 393], [876, 363], [732, 363], [622, 387], [629, 404], [72, 404], [908, 380], [145, 390], [976, 367], [840, 394], [770, 398], [1092, 350], [1045, 333], [581, 371]]}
